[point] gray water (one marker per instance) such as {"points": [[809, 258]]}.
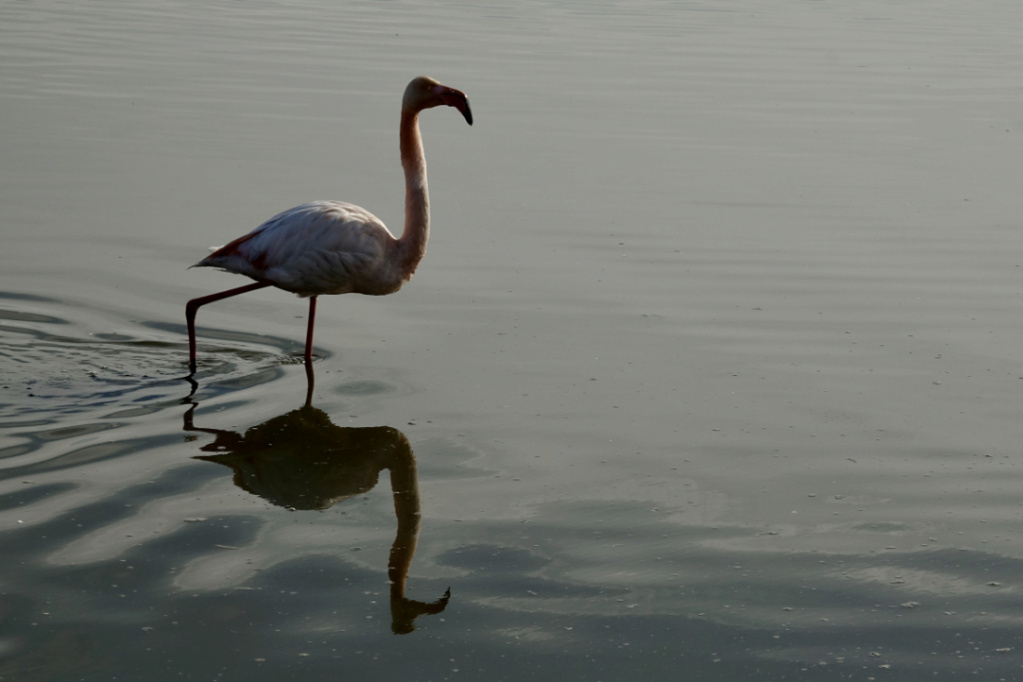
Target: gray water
{"points": [[713, 367]]}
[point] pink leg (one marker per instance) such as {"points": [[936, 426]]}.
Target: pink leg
{"points": [[310, 383], [193, 306], [309, 330]]}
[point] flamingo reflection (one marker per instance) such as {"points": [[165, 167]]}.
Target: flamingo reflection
{"points": [[300, 460]]}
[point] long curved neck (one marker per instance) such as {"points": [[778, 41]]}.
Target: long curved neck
{"points": [[412, 244]]}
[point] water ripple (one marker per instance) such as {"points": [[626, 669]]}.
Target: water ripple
{"points": [[64, 385]]}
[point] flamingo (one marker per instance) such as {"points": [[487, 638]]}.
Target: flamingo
{"points": [[333, 247]]}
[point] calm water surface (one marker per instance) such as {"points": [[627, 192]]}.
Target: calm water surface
{"points": [[714, 364]]}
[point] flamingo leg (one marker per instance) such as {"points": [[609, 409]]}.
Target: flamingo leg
{"points": [[309, 330], [310, 383], [192, 307]]}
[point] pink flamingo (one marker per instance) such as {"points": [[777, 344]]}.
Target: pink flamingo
{"points": [[332, 247]]}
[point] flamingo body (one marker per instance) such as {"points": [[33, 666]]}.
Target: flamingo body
{"points": [[333, 247], [323, 247]]}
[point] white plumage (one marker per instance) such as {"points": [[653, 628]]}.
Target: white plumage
{"points": [[323, 247]]}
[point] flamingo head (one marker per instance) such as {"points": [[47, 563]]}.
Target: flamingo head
{"points": [[424, 92]]}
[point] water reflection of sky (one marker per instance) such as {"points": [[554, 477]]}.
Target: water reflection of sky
{"points": [[712, 362]]}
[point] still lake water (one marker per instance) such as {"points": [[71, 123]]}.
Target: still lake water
{"points": [[714, 365]]}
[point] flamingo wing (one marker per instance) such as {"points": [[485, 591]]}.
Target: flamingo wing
{"points": [[323, 247]]}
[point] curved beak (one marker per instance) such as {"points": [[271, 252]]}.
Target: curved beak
{"points": [[458, 100]]}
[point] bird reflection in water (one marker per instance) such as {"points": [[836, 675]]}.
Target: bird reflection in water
{"points": [[300, 460]]}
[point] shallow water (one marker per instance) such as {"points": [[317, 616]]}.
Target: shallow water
{"points": [[714, 360]]}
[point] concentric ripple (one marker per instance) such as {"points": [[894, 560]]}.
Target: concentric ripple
{"points": [[62, 380]]}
